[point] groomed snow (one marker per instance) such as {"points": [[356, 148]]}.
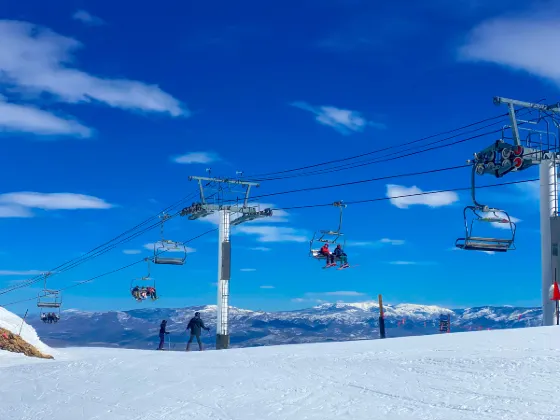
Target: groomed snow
{"points": [[13, 323], [507, 374]]}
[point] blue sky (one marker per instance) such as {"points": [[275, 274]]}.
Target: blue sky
{"points": [[106, 109]]}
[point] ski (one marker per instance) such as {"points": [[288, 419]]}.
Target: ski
{"points": [[345, 267]]}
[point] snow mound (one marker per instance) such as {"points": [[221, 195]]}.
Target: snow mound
{"points": [[13, 323]]}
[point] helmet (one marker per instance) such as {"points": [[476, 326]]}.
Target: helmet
{"points": [[197, 314]]}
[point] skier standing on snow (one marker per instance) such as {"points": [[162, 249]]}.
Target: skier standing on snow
{"points": [[162, 334], [196, 325]]}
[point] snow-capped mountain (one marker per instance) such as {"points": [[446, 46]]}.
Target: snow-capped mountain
{"points": [[327, 322]]}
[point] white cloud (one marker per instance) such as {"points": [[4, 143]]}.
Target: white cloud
{"points": [[28, 119], [308, 300], [37, 60], [400, 262], [501, 215], [248, 269], [315, 297], [521, 42], [133, 251], [267, 287], [415, 196], [20, 273], [343, 120], [87, 18], [391, 241], [343, 293], [260, 248], [14, 211], [196, 157], [273, 233], [150, 247], [53, 201], [529, 190], [384, 241]]}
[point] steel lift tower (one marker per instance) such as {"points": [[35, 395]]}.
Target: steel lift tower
{"points": [[215, 203], [538, 147]]}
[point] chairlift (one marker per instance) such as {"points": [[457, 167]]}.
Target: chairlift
{"points": [[484, 214], [140, 293], [328, 236], [166, 245], [49, 302]]}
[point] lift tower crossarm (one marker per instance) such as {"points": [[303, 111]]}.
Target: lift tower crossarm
{"points": [[551, 108], [225, 181], [555, 108]]}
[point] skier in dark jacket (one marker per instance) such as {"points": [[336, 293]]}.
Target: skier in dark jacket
{"points": [[196, 325], [341, 255], [162, 334]]}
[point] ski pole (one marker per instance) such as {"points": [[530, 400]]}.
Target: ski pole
{"points": [[169, 341]]}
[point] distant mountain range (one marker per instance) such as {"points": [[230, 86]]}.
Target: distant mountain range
{"points": [[139, 328]]}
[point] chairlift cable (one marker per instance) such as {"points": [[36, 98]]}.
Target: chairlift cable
{"points": [[86, 257], [91, 254], [406, 195], [108, 272], [501, 116], [387, 158]]}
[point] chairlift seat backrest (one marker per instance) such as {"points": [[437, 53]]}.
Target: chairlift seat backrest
{"points": [[169, 261], [484, 244], [49, 305], [315, 253]]}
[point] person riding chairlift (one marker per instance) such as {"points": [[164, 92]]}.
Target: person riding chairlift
{"points": [[151, 292], [341, 255], [327, 253]]}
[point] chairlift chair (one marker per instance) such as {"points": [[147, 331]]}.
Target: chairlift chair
{"points": [[327, 236], [49, 301], [479, 243], [146, 278], [169, 246], [166, 245]]}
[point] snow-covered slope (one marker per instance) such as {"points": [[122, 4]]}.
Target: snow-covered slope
{"points": [[13, 323], [328, 322], [507, 374]]}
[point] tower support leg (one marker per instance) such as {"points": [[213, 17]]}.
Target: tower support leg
{"points": [[224, 272], [548, 209]]}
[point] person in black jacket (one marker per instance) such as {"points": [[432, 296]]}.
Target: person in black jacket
{"points": [[341, 255], [196, 325], [162, 334]]}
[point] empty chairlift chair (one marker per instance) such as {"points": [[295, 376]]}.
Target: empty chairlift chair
{"points": [[167, 246], [471, 242], [482, 214]]}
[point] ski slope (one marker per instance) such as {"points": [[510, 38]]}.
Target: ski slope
{"points": [[507, 374]]}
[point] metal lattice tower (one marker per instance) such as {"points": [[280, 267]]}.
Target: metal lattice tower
{"points": [[539, 147], [216, 203]]}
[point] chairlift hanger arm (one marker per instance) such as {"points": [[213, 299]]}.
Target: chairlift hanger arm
{"points": [[473, 189], [341, 206]]}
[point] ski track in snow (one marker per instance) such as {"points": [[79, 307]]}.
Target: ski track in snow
{"points": [[508, 374]]}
